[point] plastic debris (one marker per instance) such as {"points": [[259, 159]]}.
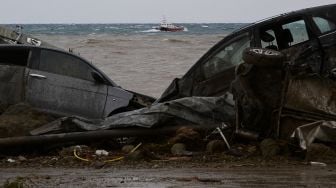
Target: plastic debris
{"points": [[317, 163], [102, 152]]}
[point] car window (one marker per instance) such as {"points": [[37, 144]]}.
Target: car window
{"points": [[295, 32], [14, 57], [324, 25], [64, 64], [229, 56]]}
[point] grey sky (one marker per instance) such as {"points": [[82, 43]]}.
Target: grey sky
{"points": [[146, 11]]}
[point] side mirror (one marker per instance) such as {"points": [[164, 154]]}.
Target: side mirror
{"points": [[97, 77]]}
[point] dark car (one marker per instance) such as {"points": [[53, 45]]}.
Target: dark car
{"points": [[311, 31], [60, 82]]}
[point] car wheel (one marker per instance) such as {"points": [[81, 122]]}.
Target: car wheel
{"points": [[263, 57]]}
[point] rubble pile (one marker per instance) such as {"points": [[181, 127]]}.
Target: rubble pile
{"points": [[277, 112]]}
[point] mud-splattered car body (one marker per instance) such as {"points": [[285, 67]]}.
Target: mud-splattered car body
{"points": [[312, 30], [60, 82], [272, 100]]}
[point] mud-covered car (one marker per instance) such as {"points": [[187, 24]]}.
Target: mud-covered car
{"points": [[310, 31], [61, 82]]}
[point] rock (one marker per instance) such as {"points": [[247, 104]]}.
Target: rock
{"points": [[136, 156], [251, 149], [236, 152], [127, 148], [22, 158], [188, 136], [99, 164], [215, 146], [180, 149], [269, 148]]}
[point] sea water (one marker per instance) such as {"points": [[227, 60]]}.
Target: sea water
{"points": [[135, 56]]}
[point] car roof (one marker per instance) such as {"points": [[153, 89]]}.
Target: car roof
{"points": [[26, 46], [29, 47], [284, 15]]}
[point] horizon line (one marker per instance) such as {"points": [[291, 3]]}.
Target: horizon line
{"points": [[70, 23]]}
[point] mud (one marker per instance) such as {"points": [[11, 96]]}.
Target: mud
{"points": [[156, 176], [19, 119]]}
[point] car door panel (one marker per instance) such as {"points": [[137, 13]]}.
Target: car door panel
{"points": [[117, 98], [11, 83], [328, 43], [66, 95]]}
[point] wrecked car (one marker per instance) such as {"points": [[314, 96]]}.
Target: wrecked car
{"points": [[312, 30], [281, 72], [61, 83]]}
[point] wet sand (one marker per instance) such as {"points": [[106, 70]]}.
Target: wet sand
{"points": [[280, 176]]}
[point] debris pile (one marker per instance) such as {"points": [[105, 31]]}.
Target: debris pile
{"points": [[280, 110]]}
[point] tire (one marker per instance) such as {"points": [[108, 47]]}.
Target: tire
{"points": [[263, 57]]}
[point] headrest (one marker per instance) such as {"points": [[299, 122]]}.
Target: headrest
{"points": [[287, 35], [266, 37]]}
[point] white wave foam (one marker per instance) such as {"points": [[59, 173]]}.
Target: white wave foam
{"points": [[150, 31], [185, 29], [205, 26], [111, 27]]}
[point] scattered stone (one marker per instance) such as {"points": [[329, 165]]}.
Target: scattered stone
{"points": [[136, 156], [155, 166], [215, 146], [99, 164], [269, 148], [180, 149], [188, 136], [252, 149], [127, 148], [22, 158], [236, 152]]}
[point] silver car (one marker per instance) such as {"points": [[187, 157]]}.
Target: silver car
{"points": [[60, 82]]}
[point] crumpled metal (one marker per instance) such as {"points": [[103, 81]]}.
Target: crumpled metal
{"points": [[324, 131], [190, 110]]}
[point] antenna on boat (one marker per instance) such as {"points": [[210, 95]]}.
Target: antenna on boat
{"points": [[164, 20]]}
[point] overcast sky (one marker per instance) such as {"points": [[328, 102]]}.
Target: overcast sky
{"points": [[146, 11]]}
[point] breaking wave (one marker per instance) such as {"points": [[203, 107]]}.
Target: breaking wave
{"points": [[150, 31]]}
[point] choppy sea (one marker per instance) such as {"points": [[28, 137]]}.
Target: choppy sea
{"points": [[126, 29], [135, 56]]}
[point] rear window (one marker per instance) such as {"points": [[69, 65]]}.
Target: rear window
{"points": [[324, 25], [17, 57], [325, 19]]}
